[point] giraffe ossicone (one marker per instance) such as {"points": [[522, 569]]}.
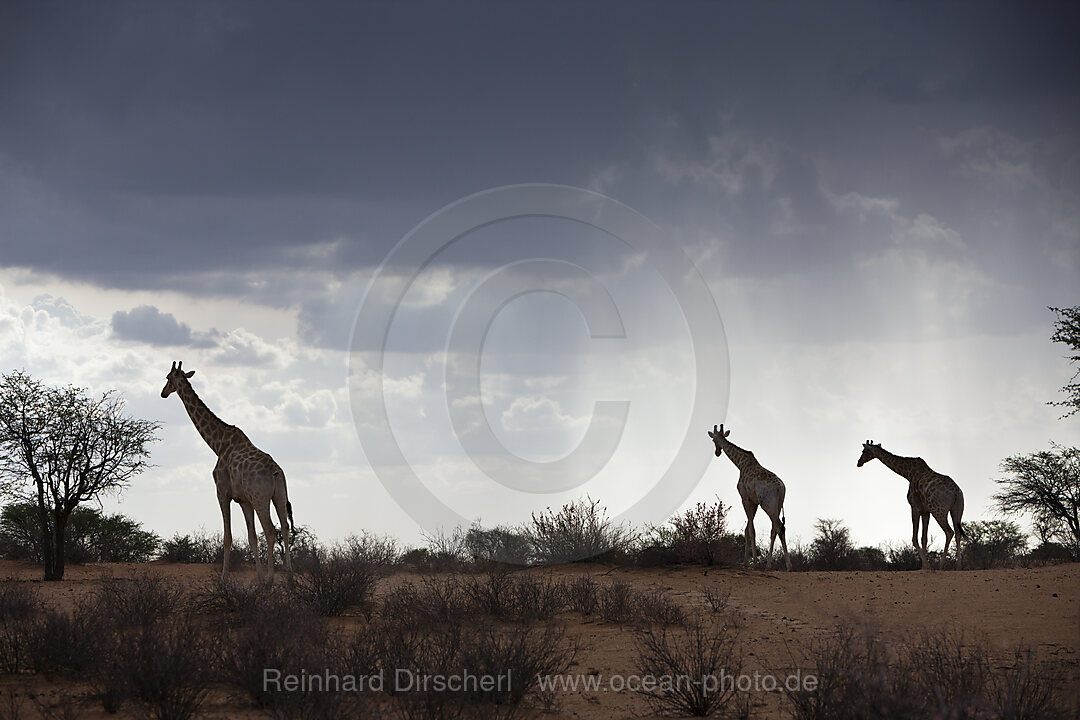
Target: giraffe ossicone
{"points": [[929, 493], [243, 473], [757, 487]]}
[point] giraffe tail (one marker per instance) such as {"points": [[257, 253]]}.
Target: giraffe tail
{"points": [[288, 509], [957, 513]]}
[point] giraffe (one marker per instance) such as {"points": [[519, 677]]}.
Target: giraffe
{"points": [[929, 493], [243, 473], [757, 486]]}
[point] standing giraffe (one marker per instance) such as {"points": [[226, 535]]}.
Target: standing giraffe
{"points": [[929, 493], [243, 473], [757, 486]]}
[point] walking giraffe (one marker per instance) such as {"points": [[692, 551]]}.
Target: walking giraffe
{"points": [[243, 473], [929, 493], [757, 486]]}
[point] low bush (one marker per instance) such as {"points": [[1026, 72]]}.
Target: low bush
{"points": [[277, 634], [931, 675], [1048, 551], [202, 547], [539, 598], [583, 595], [445, 552], [718, 600], [501, 545], [992, 543], [616, 603], [19, 606], [578, 531], [374, 550], [832, 548], [141, 600], [696, 665], [228, 600], [902, 556], [491, 593], [695, 535], [333, 583], [168, 667], [656, 607], [516, 656]]}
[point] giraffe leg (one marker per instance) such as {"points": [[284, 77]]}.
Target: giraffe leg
{"points": [[253, 539], [226, 540], [283, 517], [924, 549], [778, 531], [271, 538], [783, 546], [957, 512], [221, 480], [915, 535], [750, 549], [942, 518]]}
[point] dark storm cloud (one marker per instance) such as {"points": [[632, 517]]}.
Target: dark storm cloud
{"points": [[149, 325], [197, 146]]}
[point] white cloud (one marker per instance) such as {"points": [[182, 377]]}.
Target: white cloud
{"points": [[529, 413]]}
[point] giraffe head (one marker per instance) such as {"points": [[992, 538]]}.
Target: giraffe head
{"points": [[868, 452], [172, 380], [717, 433]]}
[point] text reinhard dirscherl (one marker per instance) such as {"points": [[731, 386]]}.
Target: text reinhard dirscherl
{"points": [[405, 680]]}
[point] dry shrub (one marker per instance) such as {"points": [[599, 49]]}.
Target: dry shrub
{"points": [[718, 600], [439, 599], [132, 642], [370, 549], [539, 598], [695, 666], [141, 601], [695, 536], [583, 595], [282, 635], [57, 641], [168, 667], [616, 602], [519, 655], [444, 552], [933, 675], [333, 583], [500, 545], [18, 606], [502, 594], [492, 593], [655, 607], [578, 531], [228, 600]]}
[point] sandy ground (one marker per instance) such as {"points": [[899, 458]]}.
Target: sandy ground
{"points": [[782, 614]]}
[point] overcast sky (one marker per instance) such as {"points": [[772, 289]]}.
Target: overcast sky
{"points": [[877, 200]]}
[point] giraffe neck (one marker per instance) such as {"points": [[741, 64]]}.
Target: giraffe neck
{"points": [[210, 426], [905, 467], [739, 457]]}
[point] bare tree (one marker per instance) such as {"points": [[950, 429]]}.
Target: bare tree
{"points": [[60, 448], [1067, 332], [1046, 486]]}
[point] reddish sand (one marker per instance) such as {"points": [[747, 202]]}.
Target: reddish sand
{"points": [[782, 615]]}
